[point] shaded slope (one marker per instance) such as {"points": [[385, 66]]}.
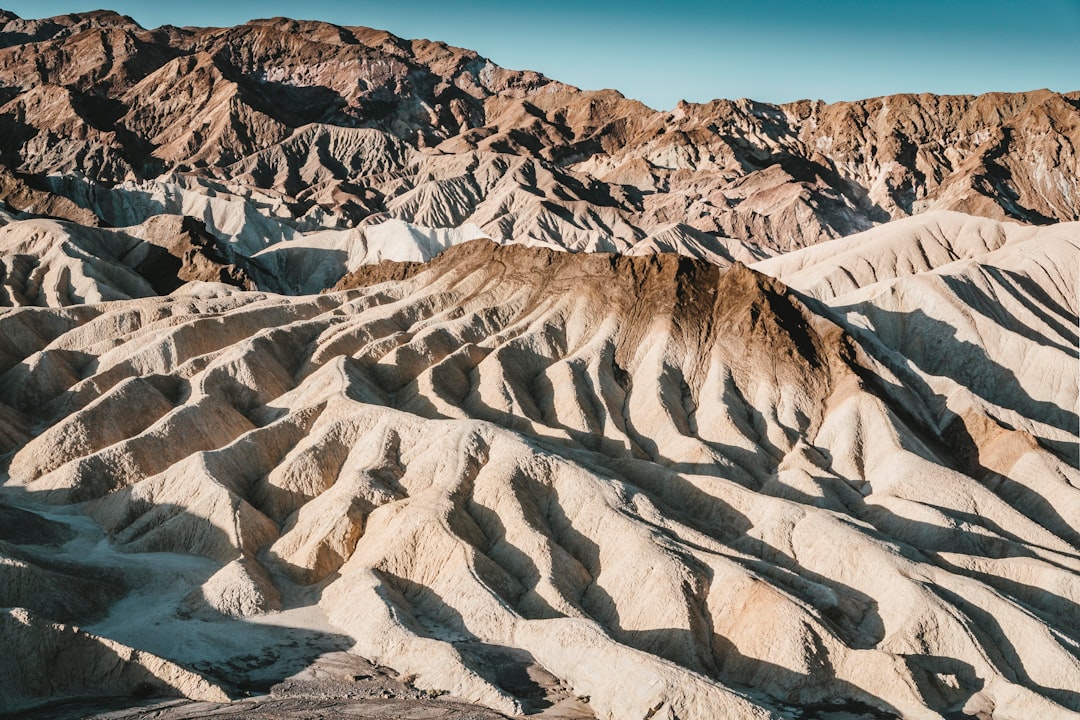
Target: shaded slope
{"points": [[679, 489]]}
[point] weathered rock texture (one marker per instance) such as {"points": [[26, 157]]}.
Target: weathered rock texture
{"points": [[681, 490], [51, 661], [746, 451], [306, 149]]}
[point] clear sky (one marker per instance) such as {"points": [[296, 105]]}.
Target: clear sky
{"points": [[771, 50]]}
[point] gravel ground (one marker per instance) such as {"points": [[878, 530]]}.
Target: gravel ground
{"points": [[337, 685]]}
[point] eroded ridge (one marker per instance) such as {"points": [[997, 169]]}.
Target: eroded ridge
{"points": [[681, 490]]}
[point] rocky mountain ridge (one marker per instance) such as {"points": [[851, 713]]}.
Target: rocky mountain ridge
{"points": [[365, 374], [331, 128]]}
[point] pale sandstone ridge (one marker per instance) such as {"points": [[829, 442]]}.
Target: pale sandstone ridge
{"points": [[986, 311], [240, 589], [312, 137], [679, 490], [57, 263]]}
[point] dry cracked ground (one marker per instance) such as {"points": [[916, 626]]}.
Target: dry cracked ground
{"points": [[349, 376]]}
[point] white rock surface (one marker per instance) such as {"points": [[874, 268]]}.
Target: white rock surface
{"points": [[681, 491]]}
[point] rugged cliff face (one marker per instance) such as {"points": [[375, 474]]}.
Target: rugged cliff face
{"points": [[324, 127]]}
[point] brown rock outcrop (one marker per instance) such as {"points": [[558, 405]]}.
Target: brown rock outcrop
{"points": [[522, 157]]}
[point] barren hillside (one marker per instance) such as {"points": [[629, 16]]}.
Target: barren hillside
{"points": [[342, 374]]}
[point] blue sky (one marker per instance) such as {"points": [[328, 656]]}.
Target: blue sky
{"points": [[771, 50]]}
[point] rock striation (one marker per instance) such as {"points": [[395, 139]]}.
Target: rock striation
{"points": [[315, 136], [336, 366], [738, 495]]}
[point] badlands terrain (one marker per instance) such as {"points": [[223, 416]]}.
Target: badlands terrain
{"points": [[347, 375]]}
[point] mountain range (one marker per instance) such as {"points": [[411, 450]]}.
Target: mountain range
{"points": [[338, 369]]}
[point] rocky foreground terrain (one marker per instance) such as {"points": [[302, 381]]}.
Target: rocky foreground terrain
{"points": [[346, 375]]}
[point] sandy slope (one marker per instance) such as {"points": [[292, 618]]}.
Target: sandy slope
{"points": [[970, 312], [677, 489]]}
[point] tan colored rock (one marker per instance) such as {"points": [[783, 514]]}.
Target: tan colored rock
{"points": [[674, 487], [240, 589], [58, 661], [311, 136]]}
